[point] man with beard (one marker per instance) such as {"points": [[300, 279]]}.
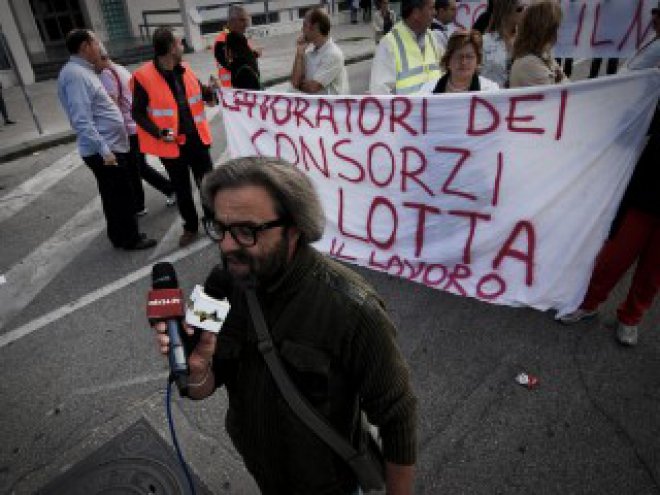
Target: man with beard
{"points": [[168, 108], [329, 327], [408, 56]]}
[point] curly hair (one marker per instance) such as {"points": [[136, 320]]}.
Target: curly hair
{"points": [[294, 195], [458, 40], [538, 29]]}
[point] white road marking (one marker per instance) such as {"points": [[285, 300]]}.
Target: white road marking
{"points": [[21, 196], [30, 275], [33, 273], [122, 384], [94, 296]]}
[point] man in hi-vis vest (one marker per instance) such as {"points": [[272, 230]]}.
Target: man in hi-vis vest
{"points": [[238, 20], [168, 108], [409, 55]]}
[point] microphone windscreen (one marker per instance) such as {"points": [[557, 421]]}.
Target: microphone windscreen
{"points": [[163, 276], [219, 284]]}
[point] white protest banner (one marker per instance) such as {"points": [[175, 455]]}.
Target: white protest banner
{"points": [[468, 11], [604, 28], [504, 196], [589, 28]]}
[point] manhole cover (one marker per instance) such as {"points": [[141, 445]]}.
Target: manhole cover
{"points": [[136, 461]]}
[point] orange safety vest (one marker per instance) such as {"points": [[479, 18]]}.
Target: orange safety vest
{"points": [[223, 73], [164, 112]]}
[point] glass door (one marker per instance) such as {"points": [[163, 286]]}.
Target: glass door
{"points": [[55, 18]]}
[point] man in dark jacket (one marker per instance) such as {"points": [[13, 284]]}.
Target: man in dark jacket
{"points": [[328, 326]]}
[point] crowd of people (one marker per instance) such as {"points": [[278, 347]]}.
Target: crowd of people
{"points": [[264, 214]]}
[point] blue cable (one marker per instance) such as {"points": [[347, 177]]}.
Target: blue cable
{"points": [[170, 422]]}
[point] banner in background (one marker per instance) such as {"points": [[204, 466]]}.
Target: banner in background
{"points": [[604, 28], [504, 196], [590, 28], [468, 11]]}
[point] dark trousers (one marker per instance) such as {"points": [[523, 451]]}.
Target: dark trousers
{"points": [[612, 66], [139, 170], [3, 108], [117, 198], [568, 66], [366, 12], [194, 157]]}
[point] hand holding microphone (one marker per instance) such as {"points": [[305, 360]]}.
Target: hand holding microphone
{"points": [[190, 361]]}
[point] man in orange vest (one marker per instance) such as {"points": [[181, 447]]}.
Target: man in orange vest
{"points": [[238, 20], [168, 108]]}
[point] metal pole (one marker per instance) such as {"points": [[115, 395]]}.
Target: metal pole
{"points": [[21, 83]]}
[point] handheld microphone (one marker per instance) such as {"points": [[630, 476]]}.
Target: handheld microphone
{"points": [[165, 303]]}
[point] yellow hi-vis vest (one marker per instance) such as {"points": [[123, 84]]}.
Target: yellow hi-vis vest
{"points": [[413, 68]]}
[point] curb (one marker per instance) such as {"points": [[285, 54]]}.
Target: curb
{"points": [[39, 143], [49, 140]]}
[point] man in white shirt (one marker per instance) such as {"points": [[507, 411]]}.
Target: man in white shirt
{"points": [[409, 55], [443, 24], [319, 64]]}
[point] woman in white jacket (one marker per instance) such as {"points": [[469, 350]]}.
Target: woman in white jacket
{"points": [[461, 62]]}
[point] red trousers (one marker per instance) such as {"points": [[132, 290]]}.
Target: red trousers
{"points": [[638, 238]]}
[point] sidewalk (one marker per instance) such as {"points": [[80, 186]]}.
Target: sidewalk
{"points": [[23, 138]]}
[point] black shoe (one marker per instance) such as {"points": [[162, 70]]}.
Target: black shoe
{"points": [[9, 122], [142, 243]]}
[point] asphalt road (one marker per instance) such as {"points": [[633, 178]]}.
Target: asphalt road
{"points": [[78, 364]]}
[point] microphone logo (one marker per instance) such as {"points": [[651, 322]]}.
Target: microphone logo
{"points": [[206, 312]]}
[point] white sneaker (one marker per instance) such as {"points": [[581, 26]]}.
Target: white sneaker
{"points": [[626, 334], [142, 212], [170, 200], [577, 315]]}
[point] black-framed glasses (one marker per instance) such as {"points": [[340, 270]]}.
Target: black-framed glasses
{"points": [[520, 8], [244, 233]]}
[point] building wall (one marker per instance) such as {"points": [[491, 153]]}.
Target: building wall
{"points": [[25, 19], [16, 46], [136, 7], [94, 18]]}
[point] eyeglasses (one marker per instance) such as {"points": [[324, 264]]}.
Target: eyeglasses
{"points": [[520, 8], [467, 57], [244, 233]]}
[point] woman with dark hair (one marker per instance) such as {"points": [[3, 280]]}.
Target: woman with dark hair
{"points": [[533, 63], [461, 62], [242, 63], [498, 40]]}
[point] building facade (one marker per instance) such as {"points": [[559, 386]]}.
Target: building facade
{"points": [[33, 31]]}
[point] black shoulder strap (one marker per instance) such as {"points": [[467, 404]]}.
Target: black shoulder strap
{"points": [[367, 474]]}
